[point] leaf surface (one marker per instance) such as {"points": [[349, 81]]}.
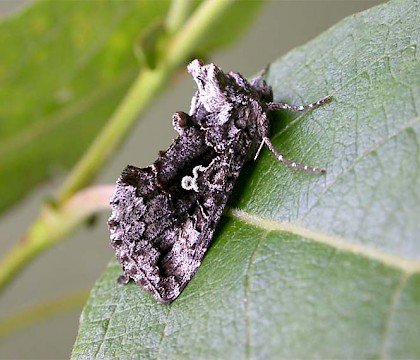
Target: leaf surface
{"points": [[305, 266]]}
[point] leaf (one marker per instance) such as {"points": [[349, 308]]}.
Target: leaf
{"points": [[75, 63], [65, 68], [305, 266]]}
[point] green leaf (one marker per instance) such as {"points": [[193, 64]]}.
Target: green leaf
{"points": [[64, 69], [305, 266], [65, 66]]}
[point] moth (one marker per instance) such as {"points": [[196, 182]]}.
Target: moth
{"points": [[164, 216]]}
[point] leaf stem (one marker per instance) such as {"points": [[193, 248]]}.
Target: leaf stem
{"points": [[177, 15], [113, 132], [51, 226], [143, 90]]}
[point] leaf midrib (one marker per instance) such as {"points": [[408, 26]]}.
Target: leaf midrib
{"points": [[406, 266]]}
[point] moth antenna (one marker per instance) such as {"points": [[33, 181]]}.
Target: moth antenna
{"points": [[288, 162], [281, 106]]}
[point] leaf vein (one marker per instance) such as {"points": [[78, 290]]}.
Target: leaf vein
{"points": [[371, 65], [393, 305], [163, 335], [246, 297], [374, 148], [405, 265], [104, 338]]}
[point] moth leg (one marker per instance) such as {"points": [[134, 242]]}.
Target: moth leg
{"points": [[282, 159], [259, 150], [280, 106], [263, 128]]}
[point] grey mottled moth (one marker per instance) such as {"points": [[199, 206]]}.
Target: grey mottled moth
{"points": [[164, 216]]}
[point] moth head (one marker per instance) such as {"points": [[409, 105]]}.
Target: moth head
{"points": [[211, 83], [210, 79]]}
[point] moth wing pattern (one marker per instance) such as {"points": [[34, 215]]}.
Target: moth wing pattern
{"points": [[164, 216]]}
